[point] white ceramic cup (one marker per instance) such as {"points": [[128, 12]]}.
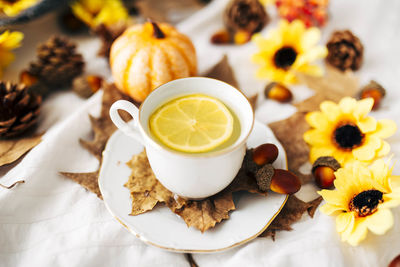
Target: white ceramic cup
{"points": [[189, 175]]}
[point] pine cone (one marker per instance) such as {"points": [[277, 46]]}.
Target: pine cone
{"points": [[58, 62], [345, 51], [245, 15], [108, 34], [19, 109]]}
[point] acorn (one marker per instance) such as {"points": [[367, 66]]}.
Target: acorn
{"points": [[265, 154], [86, 86], [27, 78], [241, 37], [284, 182], [278, 92], [264, 176], [323, 171], [395, 262], [221, 37], [375, 91]]}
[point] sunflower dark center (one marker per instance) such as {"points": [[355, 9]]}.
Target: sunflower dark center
{"points": [[11, 1], [366, 203], [348, 136], [285, 57]]}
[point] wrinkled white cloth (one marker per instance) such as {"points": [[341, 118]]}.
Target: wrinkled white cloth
{"points": [[52, 221]]}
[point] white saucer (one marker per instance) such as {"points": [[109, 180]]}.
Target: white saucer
{"points": [[164, 229]]}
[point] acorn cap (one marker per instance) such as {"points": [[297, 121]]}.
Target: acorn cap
{"points": [[264, 177], [373, 85], [249, 164], [326, 162]]}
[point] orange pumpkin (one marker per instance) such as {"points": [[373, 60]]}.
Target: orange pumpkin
{"points": [[148, 55]]}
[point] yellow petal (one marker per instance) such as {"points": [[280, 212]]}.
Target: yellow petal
{"points": [[350, 227], [385, 128], [316, 152], [316, 137], [380, 222], [367, 124], [344, 221], [394, 182], [347, 105], [330, 209], [310, 38], [390, 201], [334, 197], [317, 120], [311, 55], [359, 232], [366, 152], [363, 107], [330, 109], [6, 57], [12, 41], [384, 150], [313, 70], [380, 172]]}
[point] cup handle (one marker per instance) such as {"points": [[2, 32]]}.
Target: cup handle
{"points": [[130, 130]]}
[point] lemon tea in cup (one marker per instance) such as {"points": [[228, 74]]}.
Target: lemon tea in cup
{"points": [[194, 131], [194, 123]]}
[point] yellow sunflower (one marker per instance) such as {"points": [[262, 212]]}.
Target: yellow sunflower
{"points": [[96, 12], [8, 42], [362, 200], [345, 132], [13, 7], [287, 50]]}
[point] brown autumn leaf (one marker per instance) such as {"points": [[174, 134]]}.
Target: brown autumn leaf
{"points": [[206, 213], [333, 86], [12, 149], [223, 71], [166, 11], [12, 185], [146, 192], [291, 213], [87, 180], [289, 132]]}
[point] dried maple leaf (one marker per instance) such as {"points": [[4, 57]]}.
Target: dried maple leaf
{"points": [[107, 35], [87, 180], [289, 133], [14, 184], [223, 72], [146, 190], [291, 213], [333, 85], [158, 10], [205, 214], [12, 149]]}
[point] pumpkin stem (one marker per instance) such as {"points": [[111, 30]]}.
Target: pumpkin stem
{"points": [[157, 32]]}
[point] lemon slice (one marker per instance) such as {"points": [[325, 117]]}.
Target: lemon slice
{"points": [[192, 123]]}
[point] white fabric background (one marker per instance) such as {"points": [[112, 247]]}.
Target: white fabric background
{"points": [[52, 221]]}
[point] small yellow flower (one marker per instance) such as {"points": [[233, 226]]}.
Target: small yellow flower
{"points": [[96, 12], [8, 42], [362, 200], [13, 8], [288, 50], [345, 132]]}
